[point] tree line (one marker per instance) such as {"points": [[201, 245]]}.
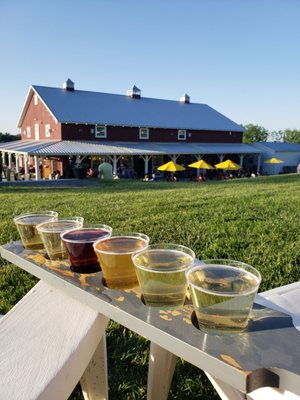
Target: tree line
{"points": [[254, 133]]}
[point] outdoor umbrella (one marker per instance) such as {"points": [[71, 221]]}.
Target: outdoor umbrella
{"points": [[171, 166], [228, 165], [274, 161], [201, 164]]}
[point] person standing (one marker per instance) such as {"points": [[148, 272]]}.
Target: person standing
{"points": [[105, 171]]}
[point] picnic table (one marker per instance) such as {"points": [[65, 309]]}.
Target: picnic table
{"points": [[267, 354]]}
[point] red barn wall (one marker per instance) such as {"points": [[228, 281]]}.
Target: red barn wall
{"points": [[39, 114]]}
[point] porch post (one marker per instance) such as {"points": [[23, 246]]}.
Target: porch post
{"points": [[17, 163], [114, 160], [37, 168], [174, 157], [26, 170], [3, 158], [9, 160], [241, 159], [221, 157], [258, 162], [146, 159]]}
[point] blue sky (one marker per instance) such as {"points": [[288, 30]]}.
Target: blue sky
{"points": [[239, 56]]}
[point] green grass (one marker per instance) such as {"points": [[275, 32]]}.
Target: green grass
{"points": [[254, 220]]}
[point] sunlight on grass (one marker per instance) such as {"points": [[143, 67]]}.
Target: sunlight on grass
{"points": [[256, 221]]}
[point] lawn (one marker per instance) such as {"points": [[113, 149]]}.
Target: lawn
{"points": [[253, 220]]}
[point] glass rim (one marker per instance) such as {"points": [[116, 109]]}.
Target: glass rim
{"points": [[36, 213], [162, 247], [84, 228], [133, 235], [257, 276], [42, 226]]}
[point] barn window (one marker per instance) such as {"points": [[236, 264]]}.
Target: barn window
{"points": [[101, 131], [28, 131], [144, 133], [181, 134], [47, 130], [35, 99]]}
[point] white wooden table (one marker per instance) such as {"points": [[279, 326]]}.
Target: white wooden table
{"points": [[267, 354]]}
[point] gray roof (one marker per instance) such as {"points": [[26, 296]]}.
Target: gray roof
{"points": [[65, 147], [278, 147], [86, 107]]}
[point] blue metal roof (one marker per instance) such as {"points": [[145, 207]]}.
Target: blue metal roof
{"points": [[68, 147], [278, 146], [86, 107]]}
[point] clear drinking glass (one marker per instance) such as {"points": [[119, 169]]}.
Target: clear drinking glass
{"points": [[114, 255], [161, 273], [223, 293], [50, 234], [26, 224]]}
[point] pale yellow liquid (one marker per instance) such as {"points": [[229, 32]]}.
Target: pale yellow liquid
{"points": [[28, 232], [118, 269], [229, 304], [162, 276]]}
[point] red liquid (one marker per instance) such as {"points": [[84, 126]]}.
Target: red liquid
{"points": [[80, 248]]}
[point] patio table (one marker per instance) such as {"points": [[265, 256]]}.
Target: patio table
{"points": [[266, 354]]}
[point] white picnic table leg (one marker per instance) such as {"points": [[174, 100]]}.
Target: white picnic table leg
{"points": [[226, 392], [94, 381], [161, 369]]}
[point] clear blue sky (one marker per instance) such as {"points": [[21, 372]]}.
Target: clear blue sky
{"points": [[240, 57]]}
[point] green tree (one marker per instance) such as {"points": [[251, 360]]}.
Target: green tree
{"points": [[255, 133], [7, 137], [291, 136]]}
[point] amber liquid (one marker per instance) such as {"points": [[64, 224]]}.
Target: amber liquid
{"points": [[82, 256], [31, 239], [117, 266]]}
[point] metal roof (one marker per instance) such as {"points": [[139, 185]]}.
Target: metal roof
{"points": [[278, 147], [65, 147], [86, 107]]}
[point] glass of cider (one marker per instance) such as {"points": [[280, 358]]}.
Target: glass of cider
{"points": [[161, 272], [114, 255], [27, 223], [223, 293]]}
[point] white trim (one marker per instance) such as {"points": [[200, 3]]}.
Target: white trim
{"points": [[144, 133], [181, 135], [102, 134]]}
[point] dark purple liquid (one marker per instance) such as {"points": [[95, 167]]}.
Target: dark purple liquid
{"points": [[80, 248]]}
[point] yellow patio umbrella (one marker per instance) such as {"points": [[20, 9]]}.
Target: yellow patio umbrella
{"points": [[201, 164], [228, 165], [171, 166], [274, 160]]}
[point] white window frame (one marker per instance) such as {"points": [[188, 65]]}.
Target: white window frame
{"points": [[35, 99], [100, 134], [144, 133], [47, 130], [181, 134], [28, 131]]}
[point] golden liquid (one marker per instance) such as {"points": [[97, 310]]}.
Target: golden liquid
{"points": [[28, 232], [118, 269], [163, 281], [226, 299]]}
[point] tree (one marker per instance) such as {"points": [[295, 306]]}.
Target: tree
{"points": [[7, 137], [255, 133], [291, 136]]}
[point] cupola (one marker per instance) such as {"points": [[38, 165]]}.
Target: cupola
{"points": [[134, 92], [185, 99], [69, 85]]}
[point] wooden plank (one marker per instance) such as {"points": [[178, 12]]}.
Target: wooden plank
{"points": [[242, 360], [46, 341]]}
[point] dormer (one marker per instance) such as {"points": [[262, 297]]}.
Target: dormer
{"points": [[134, 92], [69, 85], [185, 99]]}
